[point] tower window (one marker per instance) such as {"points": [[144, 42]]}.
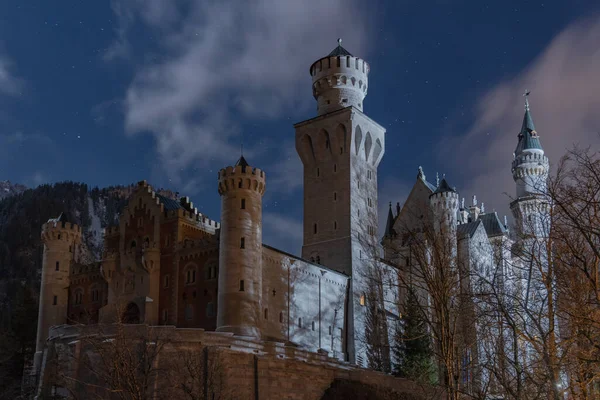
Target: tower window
{"points": [[281, 317], [326, 143], [59, 236], [329, 330], [57, 266], [315, 229], [334, 196], [299, 322], [335, 225], [344, 100], [243, 204], [334, 167], [242, 243], [166, 281], [240, 184], [54, 301], [241, 285], [70, 249], [341, 150], [313, 325], [266, 313], [362, 300], [318, 172], [190, 276], [133, 244], [165, 315]]}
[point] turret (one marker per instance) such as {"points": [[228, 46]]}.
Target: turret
{"points": [[339, 80], [61, 243], [444, 204], [240, 250], [530, 166]]}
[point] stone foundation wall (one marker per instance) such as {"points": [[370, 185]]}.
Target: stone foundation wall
{"points": [[222, 366]]}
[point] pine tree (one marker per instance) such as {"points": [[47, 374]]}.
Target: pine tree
{"points": [[412, 348]]}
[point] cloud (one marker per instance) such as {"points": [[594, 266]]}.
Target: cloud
{"points": [[565, 99], [286, 175], [10, 84], [282, 232], [222, 62]]}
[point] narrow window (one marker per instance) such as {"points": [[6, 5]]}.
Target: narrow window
{"points": [[334, 225], [330, 330], [313, 325], [166, 283], [243, 204], [193, 275], [281, 317], [54, 300], [70, 249], [266, 313], [59, 236], [240, 184], [334, 196], [133, 244], [57, 266], [299, 322], [341, 150], [242, 243], [362, 300], [315, 229], [242, 285], [327, 143], [165, 315], [317, 171]]}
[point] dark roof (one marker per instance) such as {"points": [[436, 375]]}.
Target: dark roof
{"points": [[528, 137], [61, 218], [242, 162], [467, 229], [444, 187], [389, 226], [169, 204], [339, 51], [492, 224]]}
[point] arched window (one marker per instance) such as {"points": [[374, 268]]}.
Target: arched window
{"points": [[190, 274], [78, 296]]}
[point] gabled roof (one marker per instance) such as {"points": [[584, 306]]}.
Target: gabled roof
{"points": [[169, 204], [467, 229], [389, 226], [492, 224]]}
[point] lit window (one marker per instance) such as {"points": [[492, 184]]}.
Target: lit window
{"points": [[362, 300]]}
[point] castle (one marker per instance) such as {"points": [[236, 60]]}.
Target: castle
{"points": [[166, 263]]}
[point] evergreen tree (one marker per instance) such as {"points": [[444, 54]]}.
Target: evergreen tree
{"points": [[412, 348]]}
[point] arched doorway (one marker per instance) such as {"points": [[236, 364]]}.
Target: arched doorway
{"points": [[131, 314]]}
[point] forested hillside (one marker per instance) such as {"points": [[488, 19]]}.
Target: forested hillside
{"points": [[21, 217]]}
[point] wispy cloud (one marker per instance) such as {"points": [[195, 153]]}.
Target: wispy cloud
{"points": [[565, 99], [283, 232], [10, 84], [222, 62]]}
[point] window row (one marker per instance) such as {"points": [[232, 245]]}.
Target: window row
{"points": [[316, 227]]}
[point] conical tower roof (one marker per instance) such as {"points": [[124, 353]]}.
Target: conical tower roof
{"points": [[339, 51], [528, 137]]}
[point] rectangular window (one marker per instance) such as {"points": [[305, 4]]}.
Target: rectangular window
{"points": [[242, 285], [54, 301], [329, 330], [165, 315], [242, 243], [299, 322], [243, 204], [166, 283], [57, 266]]}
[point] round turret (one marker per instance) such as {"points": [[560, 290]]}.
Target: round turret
{"points": [[240, 250], [61, 246], [444, 204], [339, 80]]}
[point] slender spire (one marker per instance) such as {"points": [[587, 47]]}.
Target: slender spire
{"points": [[389, 226], [528, 136]]}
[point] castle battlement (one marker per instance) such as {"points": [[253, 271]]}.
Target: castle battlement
{"points": [[60, 230], [242, 177]]}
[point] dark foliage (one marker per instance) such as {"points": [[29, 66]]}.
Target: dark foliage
{"points": [[343, 389]]}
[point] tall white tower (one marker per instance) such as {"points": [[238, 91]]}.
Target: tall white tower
{"points": [[341, 149], [530, 168]]}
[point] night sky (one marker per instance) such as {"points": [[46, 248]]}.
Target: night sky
{"points": [[115, 92]]}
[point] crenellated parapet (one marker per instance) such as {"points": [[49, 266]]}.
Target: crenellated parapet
{"points": [[339, 80], [242, 177], [56, 230]]}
